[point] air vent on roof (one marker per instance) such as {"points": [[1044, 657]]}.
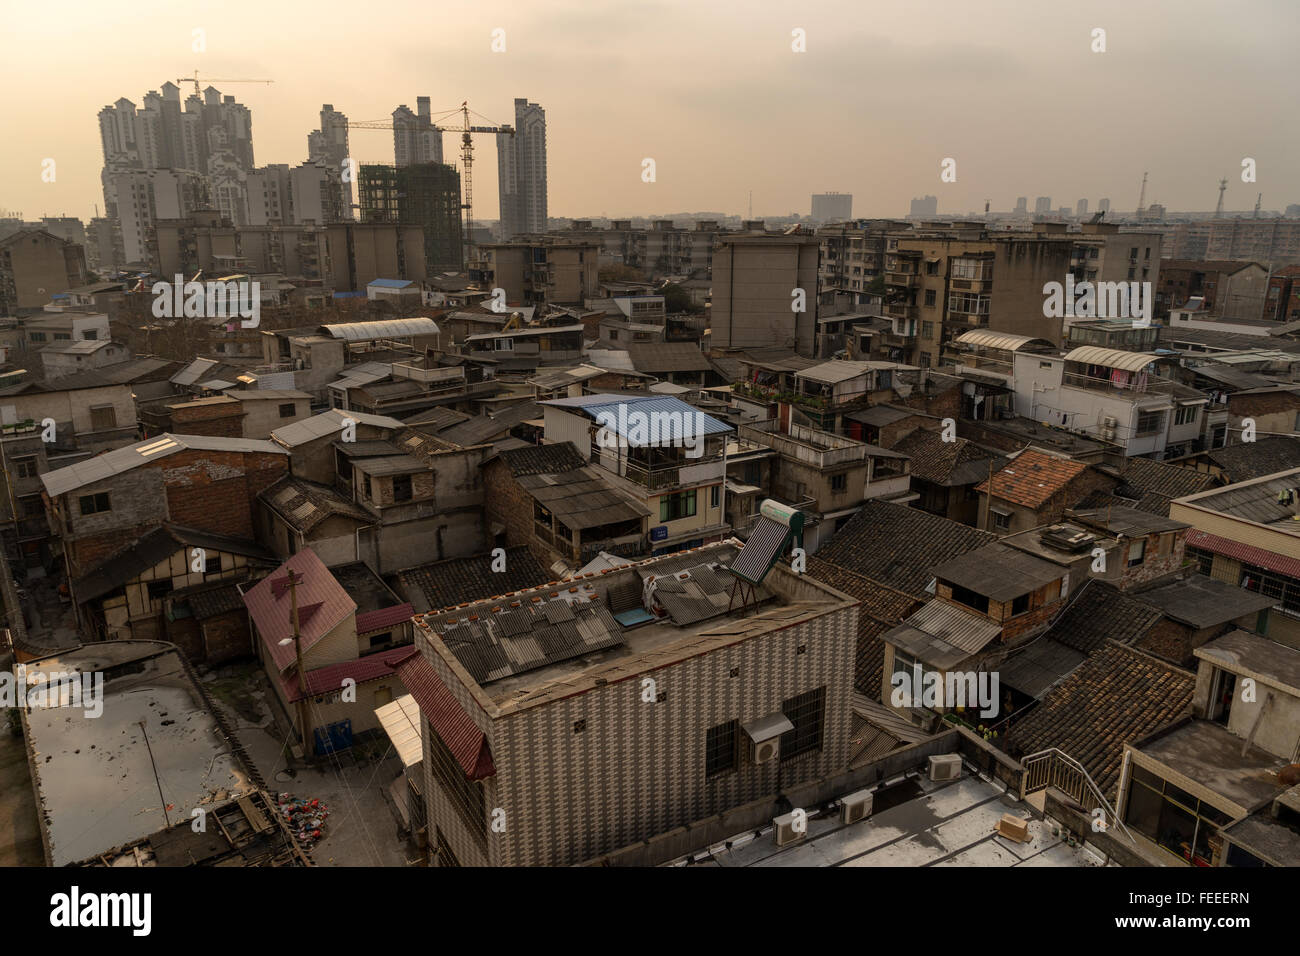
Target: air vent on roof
{"points": [[1067, 539]]}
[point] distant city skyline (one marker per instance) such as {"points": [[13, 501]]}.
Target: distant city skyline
{"points": [[724, 108]]}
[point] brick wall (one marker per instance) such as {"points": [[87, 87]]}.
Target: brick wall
{"points": [[506, 503], [1154, 564], [222, 420], [227, 637]]}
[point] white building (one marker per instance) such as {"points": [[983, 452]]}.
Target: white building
{"points": [[521, 168]]}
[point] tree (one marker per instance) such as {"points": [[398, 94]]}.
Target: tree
{"points": [[621, 273], [676, 299], [877, 285]]}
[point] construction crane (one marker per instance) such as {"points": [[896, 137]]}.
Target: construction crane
{"points": [[1218, 210], [466, 130], [207, 79]]}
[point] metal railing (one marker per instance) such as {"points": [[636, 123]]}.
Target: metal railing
{"points": [[1054, 768]]}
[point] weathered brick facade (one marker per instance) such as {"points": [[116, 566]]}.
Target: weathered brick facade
{"points": [[221, 419]]}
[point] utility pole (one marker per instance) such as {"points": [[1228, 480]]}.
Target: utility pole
{"points": [[297, 650]]}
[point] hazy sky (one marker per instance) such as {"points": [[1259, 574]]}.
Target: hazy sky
{"points": [[712, 91]]}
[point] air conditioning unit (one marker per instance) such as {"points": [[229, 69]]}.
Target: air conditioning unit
{"points": [[855, 807], [765, 751], [765, 736], [1108, 434], [1109, 421], [785, 831], [945, 767]]}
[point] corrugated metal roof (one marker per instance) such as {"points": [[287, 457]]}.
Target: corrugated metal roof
{"points": [[194, 371], [998, 340], [120, 460], [400, 719], [1111, 358], [448, 719], [835, 371], [669, 418], [1247, 554], [327, 423], [953, 625], [382, 329]]}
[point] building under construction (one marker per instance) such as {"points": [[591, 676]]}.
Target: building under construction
{"points": [[421, 194]]}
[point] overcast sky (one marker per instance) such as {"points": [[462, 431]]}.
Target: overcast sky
{"points": [[712, 91]]}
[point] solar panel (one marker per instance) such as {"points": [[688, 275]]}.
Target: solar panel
{"points": [[761, 549]]}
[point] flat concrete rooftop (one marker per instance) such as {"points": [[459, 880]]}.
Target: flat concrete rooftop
{"points": [[1209, 754], [915, 823], [96, 776]]}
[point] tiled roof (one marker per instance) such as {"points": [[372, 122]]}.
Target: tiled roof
{"points": [[881, 609], [384, 617], [946, 463], [668, 357], [322, 604], [305, 504], [898, 546], [582, 498], [448, 719], [156, 546], [329, 680], [1160, 478], [213, 601], [443, 584], [543, 459], [1116, 696], [475, 431], [1100, 612], [1032, 478], [1267, 456]]}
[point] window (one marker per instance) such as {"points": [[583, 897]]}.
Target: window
{"points": [[102, 417], [839, 482], [979, 602], [927, 330], [1173, 818], [1137, 552], [159, 589], [715, 496], [94, 504], [1285, 591], [680, 505], [31, 506], [62, 337], [806, 712], [1185, 415], [90, 335], [932, 268], [931, 297], [212, 564], [366, 487], [1149, 423], [613, 335], [1020, 605], [1204, 560], [720, 748], [25, 467], [36, 336], [402, 488], [965, 302], [1001, 520], [287, 410]]}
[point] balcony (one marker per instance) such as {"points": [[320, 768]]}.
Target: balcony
{"points": [[901, 311], [1128, 391], [907, 280]]}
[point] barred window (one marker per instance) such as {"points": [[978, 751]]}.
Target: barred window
{"points": [[720, 748], [445, 856], [806, 712], [1285, 591], [465, 795], [1204, 560]]}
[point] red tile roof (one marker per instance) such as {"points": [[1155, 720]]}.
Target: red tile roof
{"points": [[466, 742], [384, 617], [1249, 554], [329, 680], [322, 605], [1033, 478]]}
